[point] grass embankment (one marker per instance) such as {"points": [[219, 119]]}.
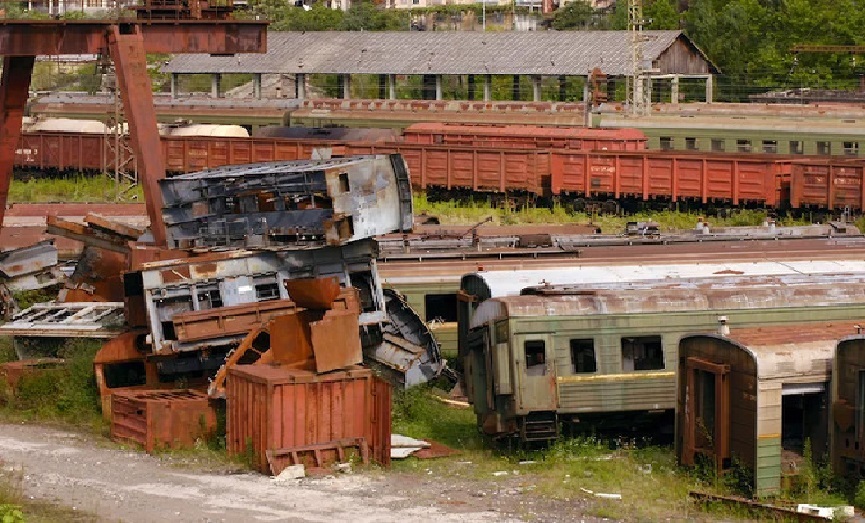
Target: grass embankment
{"points": [[66, 394], [652, 485], [73, 189], [453, 213]]}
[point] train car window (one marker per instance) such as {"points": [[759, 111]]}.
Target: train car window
{"points": [[718, 145], [642, 353], [583, 356], [824, 148], [743, 146], [441, 307], [536, 361], [796, 147], [691, 143], [666, 143], [343, 182], [770, 146], [851, 148]]}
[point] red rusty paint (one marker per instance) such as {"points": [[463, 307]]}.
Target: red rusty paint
{"points": [[835, 183], [526, 136], [53, 37], [14, 86], [279, 409], [157, 419]]}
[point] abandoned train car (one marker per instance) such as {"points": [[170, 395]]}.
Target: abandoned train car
{"points": [[753, 398], [606, 354]]}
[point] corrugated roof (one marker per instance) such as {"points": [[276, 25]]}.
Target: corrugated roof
{"points": [[437, 52], [690, 295], [504, 283]]}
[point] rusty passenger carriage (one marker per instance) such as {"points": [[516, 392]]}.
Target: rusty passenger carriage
{"points": [[605, 354]]}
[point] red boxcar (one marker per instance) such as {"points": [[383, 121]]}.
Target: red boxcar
{"points": [[834, 184], [526, 136], [471, 168], [647, 175]]}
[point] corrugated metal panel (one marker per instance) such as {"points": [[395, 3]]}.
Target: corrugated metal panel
{"points": [[279, 409], [433, 52], [684, 295], [767, 478], [161, 419]]}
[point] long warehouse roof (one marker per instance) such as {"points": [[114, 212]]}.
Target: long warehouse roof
{"points": [[441, 52]]}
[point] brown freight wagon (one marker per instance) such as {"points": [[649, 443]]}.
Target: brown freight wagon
{"points": [[827, 184], [63, 151], [525, 136], [646, 175], [196, 153], [285, 416], [469, 167]]}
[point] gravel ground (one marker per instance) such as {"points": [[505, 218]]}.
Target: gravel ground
{"points": [[84, 472]]}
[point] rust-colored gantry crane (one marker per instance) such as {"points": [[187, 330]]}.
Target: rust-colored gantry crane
{"points": [[158, 26]]}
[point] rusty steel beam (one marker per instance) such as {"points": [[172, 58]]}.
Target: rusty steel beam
{"points": [[14, 86], [130, 61], [54, 37]]}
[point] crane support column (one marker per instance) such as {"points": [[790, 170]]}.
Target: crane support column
{"points": [[130, 61], [14, 87]]}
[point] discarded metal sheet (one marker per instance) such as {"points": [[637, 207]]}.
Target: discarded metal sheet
{"points": [[87, 235], [334, 343], [67, 320], [288, 204], [157, 419], [313, 293]]}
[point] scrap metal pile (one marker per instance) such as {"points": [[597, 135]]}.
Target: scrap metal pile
{"points": [[265, 263]]}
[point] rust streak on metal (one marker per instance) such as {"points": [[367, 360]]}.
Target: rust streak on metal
{"points": [[14, 86]]}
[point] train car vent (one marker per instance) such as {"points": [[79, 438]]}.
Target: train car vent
{"points": [[849, 121]]}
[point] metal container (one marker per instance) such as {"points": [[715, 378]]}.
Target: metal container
{"points": [[279, 416], [827, 184], [161, 418], [735, 178]]}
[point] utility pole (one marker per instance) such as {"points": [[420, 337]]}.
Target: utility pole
{"points": [[636, 86]]}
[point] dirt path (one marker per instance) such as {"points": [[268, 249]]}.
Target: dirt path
{"points": [[90, 474], [121, 485]]}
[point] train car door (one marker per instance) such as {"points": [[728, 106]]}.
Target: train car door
{"points": [[535, 367]]}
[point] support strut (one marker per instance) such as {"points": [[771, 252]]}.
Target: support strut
{"points": [[14, 86], [130, 63]]}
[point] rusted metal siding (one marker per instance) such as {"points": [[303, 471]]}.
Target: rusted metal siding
{"points": [[847, 445], [736, 178], [161, 419], [833, 184], [279, 409], [525, 136]]}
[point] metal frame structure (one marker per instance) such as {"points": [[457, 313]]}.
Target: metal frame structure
{"points": [[127, 41]]}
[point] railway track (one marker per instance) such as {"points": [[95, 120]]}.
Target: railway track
{"points": [[394, 272]]}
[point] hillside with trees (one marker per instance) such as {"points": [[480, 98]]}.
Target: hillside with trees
{"points": [[749, 40]]}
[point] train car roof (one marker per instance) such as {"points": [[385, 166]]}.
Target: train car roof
{"points": [[800, 351], [490, 284], [683, 295]]}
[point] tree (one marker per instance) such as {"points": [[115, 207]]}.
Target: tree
{"points": [[366, 16], [578, 14]]}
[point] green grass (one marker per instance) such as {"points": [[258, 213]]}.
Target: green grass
{"points": [[67, 394], [463, 213], [653, 486], [72, 189]]}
